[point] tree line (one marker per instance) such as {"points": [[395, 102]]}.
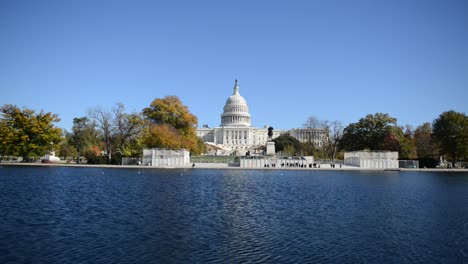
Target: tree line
{"points": [[106, 135], [103, 135], [446, 136]]}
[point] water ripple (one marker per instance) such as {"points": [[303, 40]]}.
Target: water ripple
{"points": [[68, 215]]}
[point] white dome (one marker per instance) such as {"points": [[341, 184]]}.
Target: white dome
{"points": [[236, 111]]}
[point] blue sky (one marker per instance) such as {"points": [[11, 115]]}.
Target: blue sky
{"points": [[335, 60]]}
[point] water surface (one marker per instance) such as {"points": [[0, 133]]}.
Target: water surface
{"points": [[65, 214]]}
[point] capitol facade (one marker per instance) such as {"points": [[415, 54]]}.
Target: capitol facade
{"points": [[236, 134]]}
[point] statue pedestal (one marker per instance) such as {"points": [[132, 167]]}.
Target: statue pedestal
{"points": [[270, 148]]}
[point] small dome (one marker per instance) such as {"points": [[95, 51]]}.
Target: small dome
{"points": [[236, 111]]}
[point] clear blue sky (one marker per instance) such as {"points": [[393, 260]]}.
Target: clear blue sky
{"points": [[336, 60]]}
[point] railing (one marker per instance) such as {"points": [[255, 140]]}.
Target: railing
{"points": [[131, 161]]}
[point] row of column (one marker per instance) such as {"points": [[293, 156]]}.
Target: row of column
{"points": [[303, 135], [236, 137], [232, 119]]}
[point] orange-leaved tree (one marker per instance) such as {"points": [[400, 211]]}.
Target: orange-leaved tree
{"points": [[172, 125]]}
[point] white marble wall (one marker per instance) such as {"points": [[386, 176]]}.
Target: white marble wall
{"points": [[165, 157], [372, 159]]}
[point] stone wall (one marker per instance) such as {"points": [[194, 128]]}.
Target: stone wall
{"points": [[372, 159], [166, 157]]}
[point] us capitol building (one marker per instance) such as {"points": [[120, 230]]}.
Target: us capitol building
{"points": [[236, 134]]}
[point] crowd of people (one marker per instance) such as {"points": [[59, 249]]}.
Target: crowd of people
{"points": [[298, 165]]}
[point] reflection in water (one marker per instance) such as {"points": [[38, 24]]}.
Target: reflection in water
{"points": [[173, 216]]}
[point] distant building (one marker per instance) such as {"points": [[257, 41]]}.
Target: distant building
{"points": [[315, 135], [236, 134]]}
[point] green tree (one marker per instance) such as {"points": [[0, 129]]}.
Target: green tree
{"points": [[369, 133], [377, 132], [25, 133], [66, 150], [287, 144], [450, 132], [6, 134], [84, 135], [201, 146], [134, 148]]}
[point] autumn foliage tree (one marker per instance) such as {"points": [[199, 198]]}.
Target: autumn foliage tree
{"points": [[172, 125], [425, 147], [170, 110], [424, 142], [162, 136], [25, 133]]}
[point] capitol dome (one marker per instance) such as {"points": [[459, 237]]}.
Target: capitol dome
{"points": [[236, 111]]}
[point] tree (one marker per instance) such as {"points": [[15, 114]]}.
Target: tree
{"points": [[201, 146], [103, 119], [312, 124], [408, 144], [66, 150], [162, 136], [423, 141], [170, 112], [372, 132], [84, 135], [424, 144], [396, 140], [134, 148], [128, 131], [120, 132], [377, 132], [5, 138], [335, 132], [93, 156], [287, 144], [450, 132], [27, 134]]}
